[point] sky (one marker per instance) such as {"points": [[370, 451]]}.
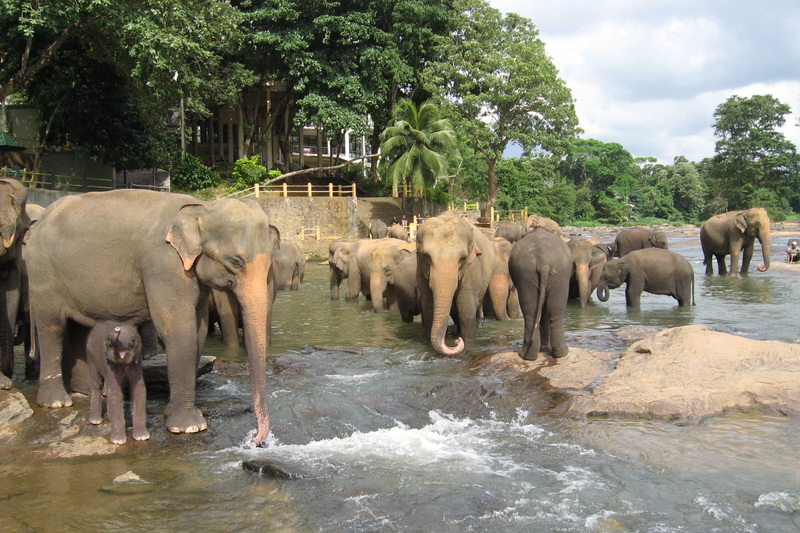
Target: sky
{"points": [[649, 74]]}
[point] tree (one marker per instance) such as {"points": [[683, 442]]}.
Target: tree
{"points": [[418, 147], [496, 74], [753, 161]]}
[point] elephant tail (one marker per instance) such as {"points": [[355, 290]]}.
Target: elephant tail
{"points": [[544, 276], [693, 300]]}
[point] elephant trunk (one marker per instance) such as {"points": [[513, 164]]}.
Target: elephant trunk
{"points": [[602, 292], [584, 287], [252, 291], [498, 294], [444, 281], [765, 239], [377, 286]]}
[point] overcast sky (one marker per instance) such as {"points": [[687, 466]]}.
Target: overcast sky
{"points": [[649, 74]]}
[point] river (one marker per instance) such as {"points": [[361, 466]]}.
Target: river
{"points": [[391, 437]]}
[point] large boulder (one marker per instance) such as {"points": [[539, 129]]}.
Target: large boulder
{"points": [[691, 372]]}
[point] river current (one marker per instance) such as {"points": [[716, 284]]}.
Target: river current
{"points": [[390, 437]]}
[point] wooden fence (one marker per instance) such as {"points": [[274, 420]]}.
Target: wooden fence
{"points": [[284, 191]]}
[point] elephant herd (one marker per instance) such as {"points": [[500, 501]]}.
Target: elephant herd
{"points": [[453, 271], [167, 263]]}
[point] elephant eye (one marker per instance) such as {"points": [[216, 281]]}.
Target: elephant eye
{"points": [[235, 263]]}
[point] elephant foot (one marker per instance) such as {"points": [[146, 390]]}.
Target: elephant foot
{"points": [[5, 382], [95, 420], [118, 437], [140, 434], [53, 397], [185, 420], [528, 354], [559, 353]]}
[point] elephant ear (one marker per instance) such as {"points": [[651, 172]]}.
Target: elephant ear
{"points": [[740, 222], [15, 198], [408, 248], [474, 252], [275, 238], [624, 270], [184, 234], [598, 257]]}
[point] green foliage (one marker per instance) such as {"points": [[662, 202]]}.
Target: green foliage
{"points": [[753, 160], [191, 174], [247, 172], [418, 147]]}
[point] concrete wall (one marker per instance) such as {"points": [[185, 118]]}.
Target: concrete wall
{"points": [[336, 217]]}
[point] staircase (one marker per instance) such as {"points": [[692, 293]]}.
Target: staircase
{"points": [[384, 209]]}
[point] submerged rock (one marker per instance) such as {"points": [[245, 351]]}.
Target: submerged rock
{"points": [[270, 469]]}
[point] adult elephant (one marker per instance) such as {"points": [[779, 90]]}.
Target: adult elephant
{"points": [[511, 231], [454, 265], [403, 288], [371, 264], [535, 221], [501, 300], [138, 256], [338, 257], [734, 232], [377, 229], [398, 231], [540, 264], [587, 267], [630, 239], [289, 265], [14, 222], [650, 270]]}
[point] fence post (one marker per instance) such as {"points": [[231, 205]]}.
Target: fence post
{"points": [[258, 190], [309, 189], [319, 233], [491, 214], [52, 179], [285, 190], [354, 190], [302, 234], [330, 191]]}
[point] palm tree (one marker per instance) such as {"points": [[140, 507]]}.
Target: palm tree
{"points": [[418, 146]]}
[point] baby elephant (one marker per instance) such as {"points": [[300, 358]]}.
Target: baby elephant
{"points": [[114, 353], [652, 270]]}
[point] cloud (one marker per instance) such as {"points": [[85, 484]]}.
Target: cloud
{"points": [[649, 75]]}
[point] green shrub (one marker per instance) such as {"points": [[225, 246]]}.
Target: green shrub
{"points": [[192, 174], [247, 172]]}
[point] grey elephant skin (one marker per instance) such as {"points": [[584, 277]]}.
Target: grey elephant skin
{"points": [[511, 231], [501, 300], [114, 353], [536, 221], [14, 223], [733, 233], [587, 267], [398, 231], [540, 264], [650, 270], [630, 239], [454, 265], [338, 257], [289, 264], [404, 290], [378, 229], [138, 256], [370, 267]]}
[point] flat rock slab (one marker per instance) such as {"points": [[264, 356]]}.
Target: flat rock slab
{"points": [[155, 372]]}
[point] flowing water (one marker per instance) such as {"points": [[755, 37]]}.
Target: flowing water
{"points": [[392, 438]]}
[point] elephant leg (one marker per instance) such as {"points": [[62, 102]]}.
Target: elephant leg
{"points": [[74, 362], [747, 256], [708, 261], [96, 398], [149, 340], [9, 292], [556, 305], [115, 405], [633, 292], [512, 304], [334, 284], [182, 416], [734, 262], [228, 311], [531, 339], [51, 333], [722, 266], [544, 330], [138, 404]]}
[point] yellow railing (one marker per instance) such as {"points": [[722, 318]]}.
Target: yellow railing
{"points": [[511, 214], [284, 191]]}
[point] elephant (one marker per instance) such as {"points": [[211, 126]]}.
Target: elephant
{"points": [[138, 256], [398, 231], [652, 270], [403, 288], [540, 264], [378, 229], [14, 222], [587, 267], [289, 265], [630, 239], [511, 231], [338, 258], [501, 299], [454, 266], [24, 332], [372, 263], [535, 221], [114, 354], [733, 232]]}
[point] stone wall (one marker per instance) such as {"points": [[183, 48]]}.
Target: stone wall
{"points": [[336, 217]]}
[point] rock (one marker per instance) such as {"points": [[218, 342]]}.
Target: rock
{"points": [[270, 469], [14, 409], [155, 372], [82, 446], [691, 373], [128, 477]]}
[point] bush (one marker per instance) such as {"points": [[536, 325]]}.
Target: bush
{"points": [[247, 172], [192, 174]]}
